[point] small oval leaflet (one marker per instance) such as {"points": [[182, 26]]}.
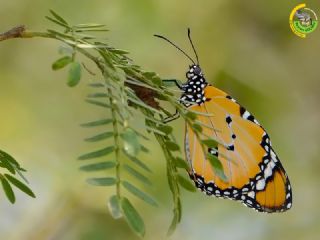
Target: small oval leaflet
{"points": [[98, 166], [132, 217], [172, 146], [217, 167], [97, 154], [186, 184], [61, 63], [106, 181], [131, 142], [7, 189], [19, 185], [138, 193], [74, 74], [114, 207]]}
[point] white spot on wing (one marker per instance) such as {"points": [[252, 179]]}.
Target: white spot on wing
{"points": [[260, 184], [267, 172], [251, 194], [246, 114]]}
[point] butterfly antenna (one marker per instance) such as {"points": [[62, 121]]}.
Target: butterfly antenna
{"points": [[166, 39], [189, 36]]}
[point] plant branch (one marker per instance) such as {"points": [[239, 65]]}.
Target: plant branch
{"points": [[126, 87]]}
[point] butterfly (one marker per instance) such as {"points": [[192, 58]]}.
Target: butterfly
{"points": [[254, 173]]}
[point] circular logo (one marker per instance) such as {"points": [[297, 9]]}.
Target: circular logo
{"points": [[303, 20]]}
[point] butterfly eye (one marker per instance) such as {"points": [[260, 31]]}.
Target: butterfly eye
{"points": [[197, 70]]}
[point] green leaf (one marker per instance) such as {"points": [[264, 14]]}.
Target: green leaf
{"points": [[137, 162], [166, 129], [197, 127], [181, 163], [74, 74], [171, 82], [217, 167], [154, 77], [97, 123], [105, 181], [19, 172], [96, 154], [114, 207], [149, 74], [98, 166], [132, 217], [87, 37], [91, 29], [108, 60], [210, 143], [157, 81], [5, 163], [89, 25], [96, 85], [7, 189], [66, 50], [138, 193], [63, 37], [94, 30], [6, 157], [144, 149], [118, 51], [176, 219], [97, 103], [61, 63], [99, 137], [191, 115], [58, 17], [19, 185], [172, 146], [137, 175], [186, 184], [130, 142], [97, 95], [57, 22], [154, 130]]}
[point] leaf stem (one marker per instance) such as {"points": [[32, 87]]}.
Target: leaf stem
{"points": [[116, 142]]}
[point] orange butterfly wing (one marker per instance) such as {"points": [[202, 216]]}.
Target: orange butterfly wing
{"points": [[254, 172]]}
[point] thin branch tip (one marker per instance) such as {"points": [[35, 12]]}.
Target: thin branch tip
{"points": [[15, 32]]}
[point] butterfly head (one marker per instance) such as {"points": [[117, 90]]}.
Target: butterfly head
{"points": [[194, 70], [193, 89]]}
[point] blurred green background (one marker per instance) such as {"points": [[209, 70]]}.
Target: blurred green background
{"points": [[246, 48]]}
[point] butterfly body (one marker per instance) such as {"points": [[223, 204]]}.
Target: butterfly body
{"points": [[194, 88], [254, 173]]}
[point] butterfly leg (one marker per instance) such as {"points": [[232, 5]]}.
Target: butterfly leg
{"points": [[175, 116], [175, 81]]}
